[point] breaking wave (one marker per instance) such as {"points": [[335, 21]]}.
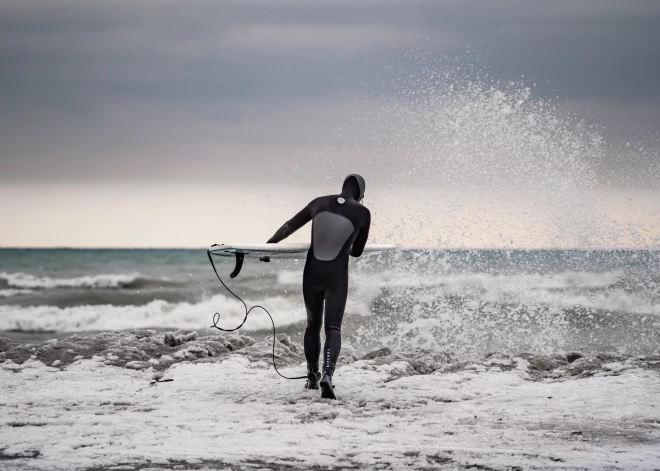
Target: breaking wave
{"points": [[21, 280], [157, 313], [8, 293], [465, 312]]}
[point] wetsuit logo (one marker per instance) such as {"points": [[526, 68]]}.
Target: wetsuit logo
{"points": [[341, 200]]}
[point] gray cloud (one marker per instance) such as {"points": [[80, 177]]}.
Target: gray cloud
{"points": [[86, 87]]}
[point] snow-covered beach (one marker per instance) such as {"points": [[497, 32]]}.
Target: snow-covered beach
{"points": [[92, 403]]}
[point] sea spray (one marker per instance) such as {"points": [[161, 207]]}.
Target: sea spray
{"points": [[477, 154], [477, 160]]}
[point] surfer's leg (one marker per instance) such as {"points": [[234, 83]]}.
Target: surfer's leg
{"points": [[313, 296], [335, 302]]}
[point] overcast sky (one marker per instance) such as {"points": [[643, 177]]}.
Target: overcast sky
{"points": [[266, 95]]}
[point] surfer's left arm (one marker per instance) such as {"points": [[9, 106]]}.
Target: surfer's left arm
{"points": [[363, 235], [292, 225]]}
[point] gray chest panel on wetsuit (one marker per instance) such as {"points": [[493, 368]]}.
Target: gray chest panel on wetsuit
{"points": [[329, 234]]}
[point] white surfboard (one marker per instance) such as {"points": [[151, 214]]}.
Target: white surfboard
{"points": [[266, 252], [284, 250]]}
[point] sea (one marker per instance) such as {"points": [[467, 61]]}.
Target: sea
{"points": [[466, 302]]}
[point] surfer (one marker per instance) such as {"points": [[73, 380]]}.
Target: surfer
{"points": [[340, 227]]}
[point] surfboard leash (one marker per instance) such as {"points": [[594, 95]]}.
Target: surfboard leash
{"points": [[216, 317]]}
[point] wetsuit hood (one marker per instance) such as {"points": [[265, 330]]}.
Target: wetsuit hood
{"points": [[361, 184]]}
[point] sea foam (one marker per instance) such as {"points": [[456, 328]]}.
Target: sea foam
{"points": [[102, 281], [8, 293], [157, 313]]}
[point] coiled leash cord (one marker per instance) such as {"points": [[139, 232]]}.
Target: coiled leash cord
{"points": [[216, 317]]}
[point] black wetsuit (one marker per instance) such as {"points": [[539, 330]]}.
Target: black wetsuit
{"points": [[340, 228]]}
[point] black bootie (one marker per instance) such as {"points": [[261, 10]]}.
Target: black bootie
{"points": [[313, 378], [327, 388]]}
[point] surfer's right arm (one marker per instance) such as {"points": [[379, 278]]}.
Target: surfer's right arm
{"points": [[363, 235], [292, 225]]}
